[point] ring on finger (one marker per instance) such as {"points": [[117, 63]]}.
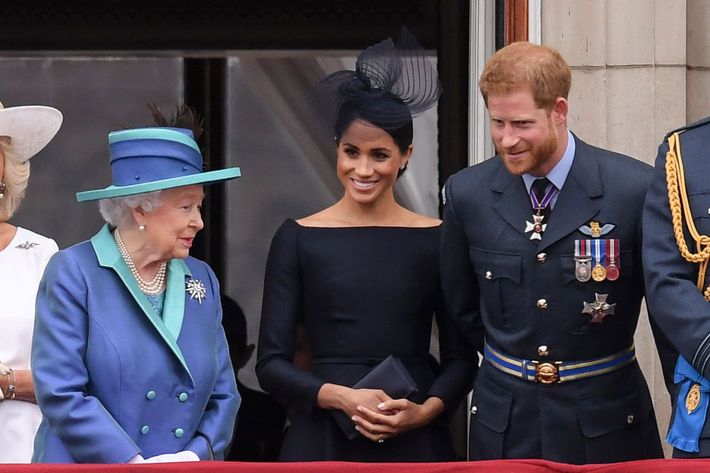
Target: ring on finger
{"points": [[381, 439]]}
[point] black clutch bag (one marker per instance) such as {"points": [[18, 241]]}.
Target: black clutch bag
{"points": [[391, 376]]}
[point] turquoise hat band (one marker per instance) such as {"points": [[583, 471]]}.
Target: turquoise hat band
{"points": [[152, 134], [208, 177]]}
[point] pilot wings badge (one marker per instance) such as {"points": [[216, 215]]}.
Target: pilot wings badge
{"points": [[596, 229]]}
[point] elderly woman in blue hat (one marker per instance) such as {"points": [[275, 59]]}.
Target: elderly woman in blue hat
{"points": [[129, 357]]}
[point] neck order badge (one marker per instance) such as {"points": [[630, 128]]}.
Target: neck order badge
{"points": [[542, 192]]}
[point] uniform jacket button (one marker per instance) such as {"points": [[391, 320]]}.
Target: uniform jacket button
{"points": [[150, 395], [474, 410], [542, 350], [489, 275], [541, 257], [145, 429], [183, 397], [542, 304], [179, 432]]}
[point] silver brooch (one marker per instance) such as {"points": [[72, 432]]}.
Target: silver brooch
{"points": [[28, 245], [196, 290]]}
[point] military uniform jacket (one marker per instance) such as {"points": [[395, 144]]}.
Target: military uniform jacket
{"points": [[523, 294], [673, 298], [112, 378]]}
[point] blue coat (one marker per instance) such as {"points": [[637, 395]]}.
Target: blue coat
{"points": [[524, 296], [112, 378]]}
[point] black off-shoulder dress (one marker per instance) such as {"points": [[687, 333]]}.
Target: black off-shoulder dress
{"points": [[363, 293]]}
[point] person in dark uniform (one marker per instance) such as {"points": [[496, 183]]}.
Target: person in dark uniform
{"points": [[541, 250], [362, 277], [676, 225]]}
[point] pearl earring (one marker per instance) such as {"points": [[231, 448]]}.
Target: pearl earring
{"points": [[3, 187], [141, 227]]}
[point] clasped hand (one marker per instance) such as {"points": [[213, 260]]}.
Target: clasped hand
{"points": [[376, 415], [351, 399], [390, 418]]}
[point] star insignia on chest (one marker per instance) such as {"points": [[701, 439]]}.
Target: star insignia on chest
{"points": [[196, 289], [536, 227], [28, 245], [599, 308]]}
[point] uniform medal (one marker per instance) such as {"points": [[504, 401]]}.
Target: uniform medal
{"points": [[598, 272], [612, 250], [598, 309], [582, 261]]}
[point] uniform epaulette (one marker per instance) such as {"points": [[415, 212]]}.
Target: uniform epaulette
{"points": [[690, 126]]}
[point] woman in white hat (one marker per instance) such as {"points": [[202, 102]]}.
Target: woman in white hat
{"points": [[129, 356], [24, 131]]}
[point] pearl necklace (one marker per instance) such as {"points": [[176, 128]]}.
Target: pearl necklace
{"points": [[153, 287]]}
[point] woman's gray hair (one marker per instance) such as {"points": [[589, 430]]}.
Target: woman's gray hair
{"points": [[118, 210], [16, 176]]}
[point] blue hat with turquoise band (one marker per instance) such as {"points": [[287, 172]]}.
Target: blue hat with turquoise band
{"points": [[156, 158]]}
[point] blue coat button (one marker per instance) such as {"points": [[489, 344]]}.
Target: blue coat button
{"points": [[150, 395], [183, 397], [179, 432], [145, 429]]}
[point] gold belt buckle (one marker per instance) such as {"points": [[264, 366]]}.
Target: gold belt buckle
{"points": [[547, 373]]}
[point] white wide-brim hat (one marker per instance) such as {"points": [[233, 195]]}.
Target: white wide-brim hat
{"points": [[29, 127]]}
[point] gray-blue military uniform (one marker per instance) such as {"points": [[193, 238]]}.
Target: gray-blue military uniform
{"points": [[559, 379], [676, 223]]}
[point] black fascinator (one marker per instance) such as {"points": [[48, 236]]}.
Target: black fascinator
{"points": [[390, 85]]}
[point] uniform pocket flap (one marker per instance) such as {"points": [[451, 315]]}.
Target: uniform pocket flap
{"points": [[493, 265], [491, 405], [700, 206], [615, 410], [699, 203]]}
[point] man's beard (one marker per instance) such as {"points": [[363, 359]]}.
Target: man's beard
{"points": [[539, 154]]}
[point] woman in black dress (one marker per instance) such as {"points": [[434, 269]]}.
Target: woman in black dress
{"points": [[362, 276]]}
